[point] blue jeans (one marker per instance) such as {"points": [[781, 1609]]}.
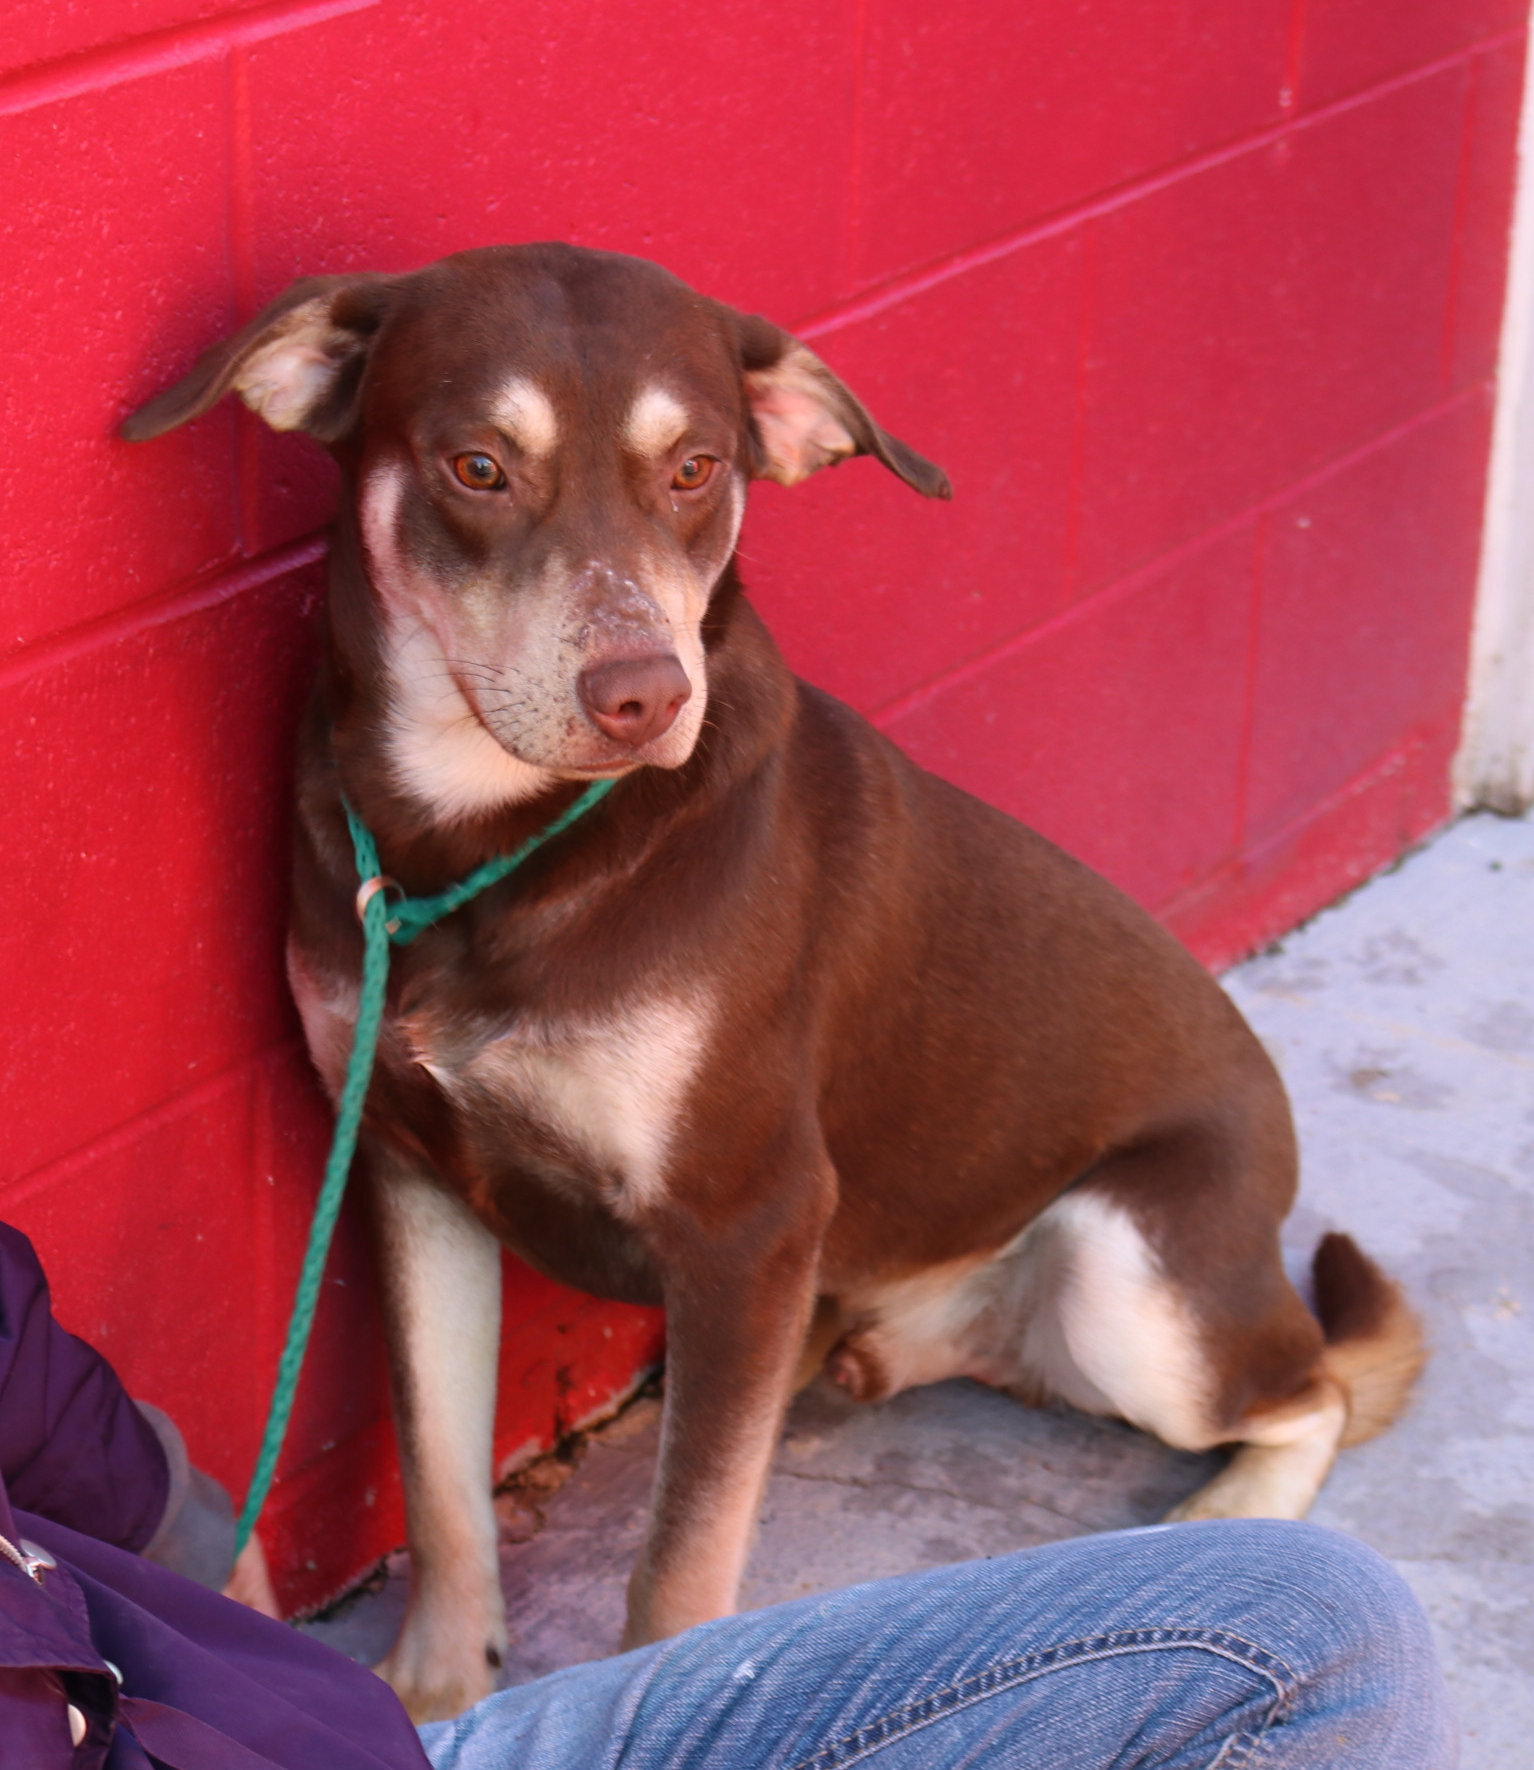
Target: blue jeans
{"points": [[1187, 1646]]}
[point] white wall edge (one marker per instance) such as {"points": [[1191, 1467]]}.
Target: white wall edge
{"points": [[1495, 763]]}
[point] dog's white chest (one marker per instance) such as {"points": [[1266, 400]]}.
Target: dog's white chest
{"points": [[612, 1090]]}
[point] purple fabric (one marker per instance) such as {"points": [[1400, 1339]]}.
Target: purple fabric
{"points": [[58, 1396], [207, 1684]]}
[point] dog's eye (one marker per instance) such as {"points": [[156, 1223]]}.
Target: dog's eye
{"points": [[695, 471], [480, 473]]}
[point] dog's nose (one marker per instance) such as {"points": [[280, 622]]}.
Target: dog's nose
{"points": [[635, 699]]}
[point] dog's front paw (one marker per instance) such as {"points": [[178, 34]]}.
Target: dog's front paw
{"points": [[437, 1678]]}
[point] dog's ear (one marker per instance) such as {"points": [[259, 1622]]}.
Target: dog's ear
{"points": [[807, 419], [297, 364]]}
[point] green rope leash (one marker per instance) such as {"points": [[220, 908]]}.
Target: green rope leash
{"points": [[383, 923]]}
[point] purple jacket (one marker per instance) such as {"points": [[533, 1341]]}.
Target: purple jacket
{"points": [[206, 1683]]}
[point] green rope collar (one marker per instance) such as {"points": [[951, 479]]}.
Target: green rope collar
{"points": [[385, 922]]}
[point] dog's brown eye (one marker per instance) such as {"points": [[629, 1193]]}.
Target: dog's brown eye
{"points": [[695, 471], [480, 473]]}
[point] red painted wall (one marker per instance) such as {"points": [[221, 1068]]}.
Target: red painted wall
{"points": [[1197, 300]]}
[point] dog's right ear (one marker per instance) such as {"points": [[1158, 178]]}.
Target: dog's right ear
{"points": [[297, 364]]}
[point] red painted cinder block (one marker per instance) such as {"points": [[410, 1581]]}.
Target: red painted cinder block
{"points": [[607, 125], [1485, 218], [330, 1523], [1346, 45], [147, 788], [1257, 319], [1368, 582], [1117, 730], [536, 125], [872, 589], [147, 1239], [976, 120], [112, 268], [344, 1388]]}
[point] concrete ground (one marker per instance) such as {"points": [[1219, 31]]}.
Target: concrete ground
{"points": [[1403, 1021]]}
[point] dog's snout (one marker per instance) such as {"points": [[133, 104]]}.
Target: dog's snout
{"points": [[633, 700]]}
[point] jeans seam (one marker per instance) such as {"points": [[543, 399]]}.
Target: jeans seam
{"points": [[1240, 1749], [1007, 1674]]}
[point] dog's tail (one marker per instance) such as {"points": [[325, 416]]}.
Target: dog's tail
{"points": [[1374, 1343]]}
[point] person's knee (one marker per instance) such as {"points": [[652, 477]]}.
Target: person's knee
{"points": [[1369, 1607], [1347, 1626], [1354, 1591]]}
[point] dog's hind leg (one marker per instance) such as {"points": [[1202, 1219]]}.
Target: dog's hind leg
{"points": [[1155, 1291], [1374, 1353], [442, 1300], [1113, 1334]]}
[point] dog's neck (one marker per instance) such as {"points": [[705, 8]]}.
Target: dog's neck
{"points": [[427, 840]]}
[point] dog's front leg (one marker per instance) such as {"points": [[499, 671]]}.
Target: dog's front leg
{"points": [[738, 1305], [442, 1300]]}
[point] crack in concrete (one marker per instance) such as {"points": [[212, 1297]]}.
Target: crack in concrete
{"points": [[869, 1485]]}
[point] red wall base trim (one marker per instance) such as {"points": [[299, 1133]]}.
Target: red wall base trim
{"points": [[1319, 858]]}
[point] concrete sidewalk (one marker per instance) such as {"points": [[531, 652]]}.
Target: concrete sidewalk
{"points": [[1403, 1020]]}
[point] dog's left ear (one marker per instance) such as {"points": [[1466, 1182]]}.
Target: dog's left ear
{"points": [[297, 364], [807, 419]]}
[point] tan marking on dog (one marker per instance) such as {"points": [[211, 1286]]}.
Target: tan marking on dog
{"points": [[441, 753], [1277, 1471], [1125, 1329], [799, 430], [656, 422], [283, 380], [614, 1090], [440, 750], [527, 415], [442, 1278], [1074, 1308]]}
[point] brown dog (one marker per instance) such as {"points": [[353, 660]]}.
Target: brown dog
{"points": [[838, 1063]]}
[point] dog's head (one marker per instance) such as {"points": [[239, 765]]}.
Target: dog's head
{"points": [[545, 453]]}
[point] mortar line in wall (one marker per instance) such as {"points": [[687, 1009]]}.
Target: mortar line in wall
{"points": [[152, 1118], [242, 277], [1247, 739], [178, 46], [262, 1156], [1457, 238], [967, 668], [856, 144], [907, 284], [1077, 473], [221, 585]]}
